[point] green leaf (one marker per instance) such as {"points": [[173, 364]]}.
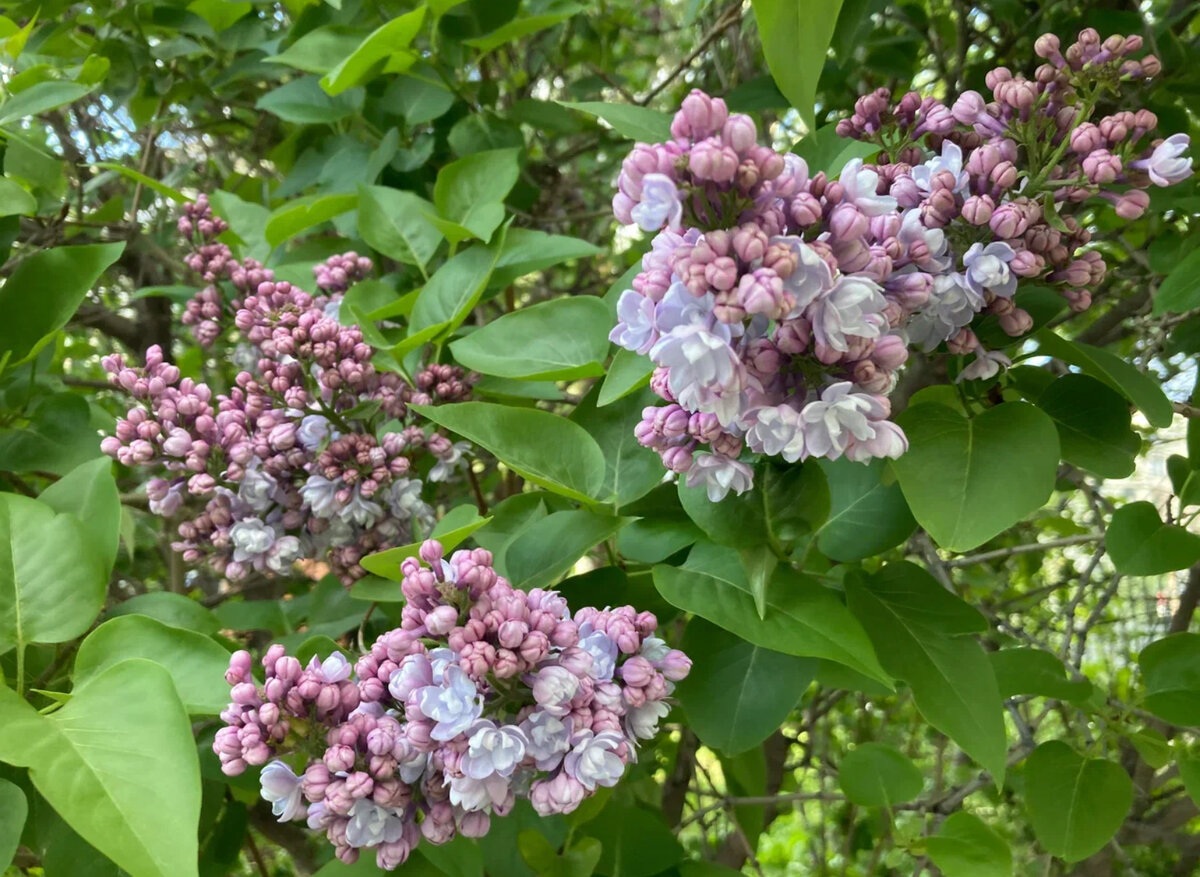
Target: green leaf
{"points": [[1075, 804], [1034, 671], [1140, 544], [1180, 291], [759, 563], [454, 289], [916, 597], [43, 292], [149, 182], [549, 548], [636, 842], [1136, 386], [527, 250], [119, 764], [394, 223], [966, 847], [631, 470], [824, 150], [418, 98], [318, 51], [969, 480], [252, 615], [452, 530], [629, 120], [795, 39], [803, 618], [58, 437], [196, 663], [297, 216], [1189, 772], [539, 446], [867, 516], [626, 373], [876, 775], [40, 98], [952, 683], [1093, 425], [89, 492], [13, 810], [471, 191], [578, 861], [653, 540], [51, 583], [1171, 676], [737, 693], [303, 102], [15, 200], [361, 65], [174, 610], [520, 27], [562, 339]]}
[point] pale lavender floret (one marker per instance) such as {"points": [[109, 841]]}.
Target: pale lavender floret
{"points": [[718, 475], [320, 495], [446, 466], [593, 760], [951, 306], [474, 795], [371, 825], [553, 687], [641, 722], [859, 184], [950, 160], [493, 750], [812, 276], [635, 327], [659, 205], [281, 787], [313, 429], [165, 498], [913, 230], [836, 420], [257, 489], [1167, 164], [251, 538], [602, 650], [987, 364], [549, 738], [361, 511], [414, 672], [412, 768], [454, 705], [332, 670], [986, 269], [852, 309], [705, 374], [774, 430], [679, 308], [286, 551]]}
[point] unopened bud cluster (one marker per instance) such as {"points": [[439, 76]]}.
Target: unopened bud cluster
{"points": [[291, 463], [484, 694], [779, 304]]}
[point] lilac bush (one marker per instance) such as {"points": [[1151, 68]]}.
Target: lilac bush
{"points": [[313, 454], [485, 693], [778, 304]]}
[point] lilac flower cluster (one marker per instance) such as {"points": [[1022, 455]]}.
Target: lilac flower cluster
{"points": [[293, 462], [485, 693], [779, 304]]}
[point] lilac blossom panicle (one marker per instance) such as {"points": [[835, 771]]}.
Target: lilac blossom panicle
{"points": [[275, 470], [778, 304], [483, 694]]}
